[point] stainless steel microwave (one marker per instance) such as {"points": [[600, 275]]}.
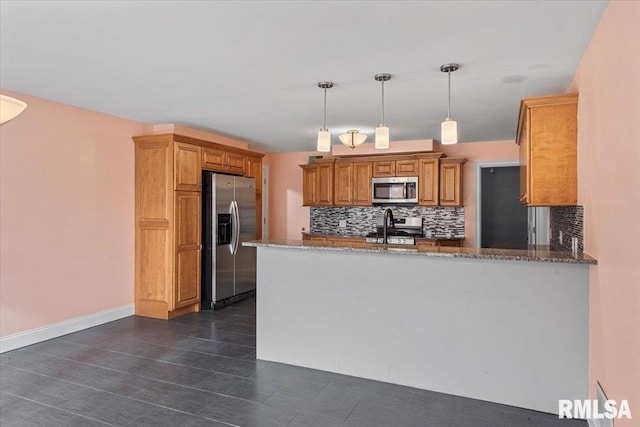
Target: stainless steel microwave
{"points": [[394, 190]]}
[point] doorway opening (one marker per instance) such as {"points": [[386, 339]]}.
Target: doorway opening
{"points": [[501, 221]]}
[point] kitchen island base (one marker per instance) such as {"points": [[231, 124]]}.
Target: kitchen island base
{"points": [[511, 332]]}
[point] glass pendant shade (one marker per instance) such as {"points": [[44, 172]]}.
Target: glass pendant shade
{"points": [[10, 108], [324, 136], [449, 131], [382, 137], [449, 128], [352, 139], [382, 131], [324, 141]]}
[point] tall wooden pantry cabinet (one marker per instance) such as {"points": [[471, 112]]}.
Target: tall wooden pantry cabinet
{"points": [[168, 211]]}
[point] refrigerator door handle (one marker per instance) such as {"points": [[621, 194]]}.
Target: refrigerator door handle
{"points": [[236, 227]]}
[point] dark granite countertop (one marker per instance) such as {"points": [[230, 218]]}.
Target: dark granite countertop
{"points": [[534, 254]]}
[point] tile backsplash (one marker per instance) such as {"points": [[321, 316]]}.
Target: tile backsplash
{"points": [[438, 221], [569, 220]]}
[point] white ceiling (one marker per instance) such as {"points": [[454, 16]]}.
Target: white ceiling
{"points": [[249, 69]]}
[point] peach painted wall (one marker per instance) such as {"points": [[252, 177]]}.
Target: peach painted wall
{"points": [[287, 216], [609, 190], [66, 214], [285, 185]]}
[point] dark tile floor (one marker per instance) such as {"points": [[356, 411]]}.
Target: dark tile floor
{"points": [[201, 370]]}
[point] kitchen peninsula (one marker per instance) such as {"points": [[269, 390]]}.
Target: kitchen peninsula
{"points": [[506, 326]]}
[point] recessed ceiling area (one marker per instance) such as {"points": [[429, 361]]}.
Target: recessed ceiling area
{"points": [[249, 69]]}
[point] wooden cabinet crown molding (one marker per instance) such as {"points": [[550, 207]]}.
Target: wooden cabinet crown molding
{"points": [[388, 157], [540, 101], [170, 137]]}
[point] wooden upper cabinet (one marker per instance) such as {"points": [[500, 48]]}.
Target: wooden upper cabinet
{"points": [[187, 247], [325, 184], [236, 163], [362, 173], [343, 192], [547, 135], [223, 161], [523, 140], [353, 183], [384, 168], [317, 183], [213, 158], [188, 175], [406, 168], [451, 181], [439, 179], [254, 170], [428, 182], [309, 186]]}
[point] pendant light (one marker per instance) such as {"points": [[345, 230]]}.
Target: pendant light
{"points": [[352, 138], [10, 108], [382, 131], [449, 128], [324, 136]]}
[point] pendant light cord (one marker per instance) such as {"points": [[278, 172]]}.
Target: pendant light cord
{"points": [[324, 127], [449, 107], [382, 122]]}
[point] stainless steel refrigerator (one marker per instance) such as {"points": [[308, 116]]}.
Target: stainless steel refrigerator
{"points": [[228, 218]]}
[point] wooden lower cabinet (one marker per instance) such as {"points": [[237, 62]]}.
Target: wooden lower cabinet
{"points": [[338, 241], [437, 243], [187, 247], [347, 242], [314, 238], [359, 242]]}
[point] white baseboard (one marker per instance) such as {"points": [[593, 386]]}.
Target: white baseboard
{"points": [[33, 336]]}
